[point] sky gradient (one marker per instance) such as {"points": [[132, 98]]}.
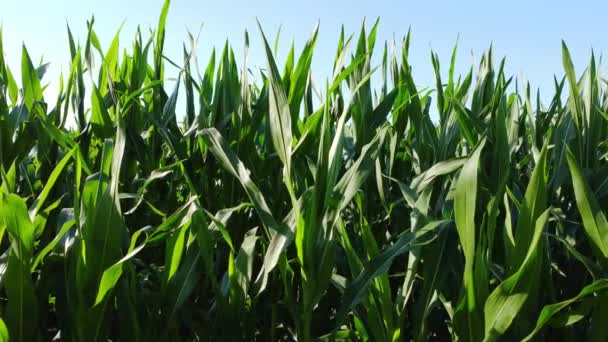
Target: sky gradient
{"points": [[527, 32]]}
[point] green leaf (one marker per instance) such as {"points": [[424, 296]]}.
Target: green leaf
{"points": [[280, 117], [380, 264], [594, 220], [100, 117], [3, 331], [65, 228], [467, 319], [160, 39], [22, 309], [279, 242], [35, 207], [301, 75], [506, 301], [549, 311], [234, 166], [111, 275], [574, 91], [30, 81]]}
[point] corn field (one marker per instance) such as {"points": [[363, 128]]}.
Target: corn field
{"points": [[274, 207]]}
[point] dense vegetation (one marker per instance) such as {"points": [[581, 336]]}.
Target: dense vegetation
{"points": [[280, 210]]}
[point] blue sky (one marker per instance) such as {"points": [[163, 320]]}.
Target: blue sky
{"points": [[527, 32]]}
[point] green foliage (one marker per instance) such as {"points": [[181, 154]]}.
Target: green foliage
{"points": [[275, 210]]}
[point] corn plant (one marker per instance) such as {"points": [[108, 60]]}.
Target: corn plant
{"points": [[245, 203]]}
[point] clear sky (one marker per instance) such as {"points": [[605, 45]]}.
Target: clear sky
{"points": [[527, 32]]}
